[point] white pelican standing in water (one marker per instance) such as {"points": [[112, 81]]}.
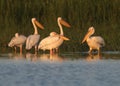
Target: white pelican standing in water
{"points": [[17, 41], [94, 42], [33, 40], [54, 40]]}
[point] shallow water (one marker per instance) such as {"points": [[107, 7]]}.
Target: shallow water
{"points": [[66, 69]]}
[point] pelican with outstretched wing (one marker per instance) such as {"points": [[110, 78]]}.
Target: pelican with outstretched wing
{"points": [[32, 40], [17, 41], [54, 40], [94, 42]]}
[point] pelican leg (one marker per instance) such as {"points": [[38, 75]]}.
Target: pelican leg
{"points": [[51, 51], [90, 51], [15, 49], [20, 49], [56, 50], [98, 51], [36, 49]]}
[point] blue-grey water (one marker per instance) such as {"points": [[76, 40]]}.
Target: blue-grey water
{"points": [[67, 69]]}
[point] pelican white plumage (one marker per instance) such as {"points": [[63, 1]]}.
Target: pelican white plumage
{"points": [[33, 39], [17, 41], [94, 42], [54, 40]]}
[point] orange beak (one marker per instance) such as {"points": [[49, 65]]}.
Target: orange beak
{"points": [[64, 38], [39, 25], [65, 23], [86, 36]]}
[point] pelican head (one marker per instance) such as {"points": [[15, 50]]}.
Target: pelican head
{"points": [[53, 33], [33, 19], [61, 21], [37, 23], [16, 34], [91, 31], [59, 18]]}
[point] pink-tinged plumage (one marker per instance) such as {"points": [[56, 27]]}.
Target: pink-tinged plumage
{"points": [[55, 40], [33, 40], [94, 42], [17, 41]]}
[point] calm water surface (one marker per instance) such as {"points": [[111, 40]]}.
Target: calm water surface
{"points": [[66, 69]]}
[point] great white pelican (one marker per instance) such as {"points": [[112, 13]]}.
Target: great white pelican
{"points": [[32, 40], [94, 42], [17, 41], [54, 40]]}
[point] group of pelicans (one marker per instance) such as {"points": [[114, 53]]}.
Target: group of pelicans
{"points": [[54, 40]]}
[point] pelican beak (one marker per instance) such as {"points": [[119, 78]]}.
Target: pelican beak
{"points": [[65, 23], [64, 38], [86, 36], [39, 25]]}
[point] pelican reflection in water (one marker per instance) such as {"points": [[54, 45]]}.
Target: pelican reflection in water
{"points": [[28, 56], [93, 57], [16, 56], [51, 58], [94, 42], [31, 57]]}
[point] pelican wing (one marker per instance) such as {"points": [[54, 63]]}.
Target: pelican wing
{"points": [[99, 40], [22, 39], [11, 43], [48, 41], [32, 40], [17, 41]]}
